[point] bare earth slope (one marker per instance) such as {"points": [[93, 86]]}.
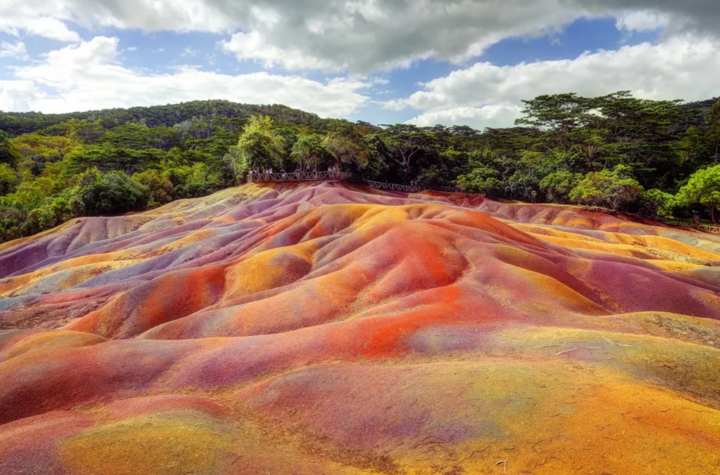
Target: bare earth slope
{"points": [[332, 330]]}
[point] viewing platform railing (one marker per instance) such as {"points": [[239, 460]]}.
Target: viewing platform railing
{"points": [[379, 185], [689, 224], [340, 176], [297, 177]]}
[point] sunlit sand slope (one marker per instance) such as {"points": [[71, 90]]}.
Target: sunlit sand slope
{"points": [[338, 330]]}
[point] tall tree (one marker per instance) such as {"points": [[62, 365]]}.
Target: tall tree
{"points": [[616, 189], [309, 151], [408, 142], [257, 147], [347, 146], [703, 188]]}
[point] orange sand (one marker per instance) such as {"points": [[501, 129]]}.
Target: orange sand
{"points": [[337, 330]]}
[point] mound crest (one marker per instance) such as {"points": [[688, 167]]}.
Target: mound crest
{"points": [[331, 329]]}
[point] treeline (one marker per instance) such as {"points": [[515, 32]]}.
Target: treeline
{"points": [[653, 158], [17, 123]]}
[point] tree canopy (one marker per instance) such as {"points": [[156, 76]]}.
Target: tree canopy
{"points": [[653, 158], [703, 188]]}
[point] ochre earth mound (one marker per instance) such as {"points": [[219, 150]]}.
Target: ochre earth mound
{"points": [[334, 330]]}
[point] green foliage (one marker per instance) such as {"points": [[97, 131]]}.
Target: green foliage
{"points": [[8, 152], [109, 159], [702, 188], [309, 152], [558, 185], [108, 193], [56, 212], [713, 122], [482, 179], [28, 122], [408, 144], [615, 189], [194, 181], [8, 179], [161, 189], [601, 151], [141, 137], [258, 147], [656, 204], [347, 145]]}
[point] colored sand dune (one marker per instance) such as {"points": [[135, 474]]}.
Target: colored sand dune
{"points": [[334, 330]]}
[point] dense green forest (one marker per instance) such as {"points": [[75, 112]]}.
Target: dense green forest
{"points": [[652, 158]]}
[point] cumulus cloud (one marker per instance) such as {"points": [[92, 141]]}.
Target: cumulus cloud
{"points": [[478, 117], [19, 95], [682, 67], [362, 37], [642, 21], [88, 76], [357, 35], [16, 50], [697, 16], [37, 17], [252, 46]]}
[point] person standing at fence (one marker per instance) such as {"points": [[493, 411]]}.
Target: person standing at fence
{"points": [[297, 173], [696, 220]]}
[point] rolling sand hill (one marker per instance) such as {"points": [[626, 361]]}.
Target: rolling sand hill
{"points": [[332, 330]]}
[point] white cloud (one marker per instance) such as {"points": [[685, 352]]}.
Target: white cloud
{"points": [[642, 21], [252, 46], [361, 37], [10, 50], [358, 35], [190, 52], [88, 76], [19, 95], [478, 117], [50, 28], [37, 17], [681, 67]]}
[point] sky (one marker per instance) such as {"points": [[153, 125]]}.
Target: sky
{"points": [[424, 62]]}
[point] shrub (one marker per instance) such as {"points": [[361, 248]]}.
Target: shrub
{"points": [[110, 193]]}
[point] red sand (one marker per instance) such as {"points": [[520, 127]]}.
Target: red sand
{"points": [[324, 329]]}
